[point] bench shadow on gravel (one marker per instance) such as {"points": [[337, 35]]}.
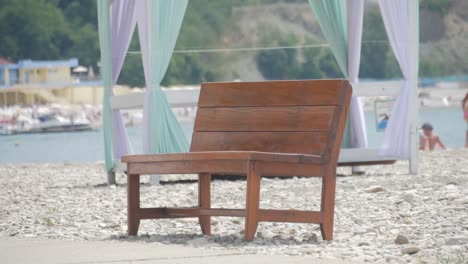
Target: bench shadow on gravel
{"points": [[226, 241], [123, 183]]}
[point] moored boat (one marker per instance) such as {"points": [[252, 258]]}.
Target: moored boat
{"points": [[49, 123]]}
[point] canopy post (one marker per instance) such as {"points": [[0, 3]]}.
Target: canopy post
{"points": [[414, 107]]}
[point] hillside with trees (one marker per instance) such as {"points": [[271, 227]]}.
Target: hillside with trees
{"points": [[59, 29]]}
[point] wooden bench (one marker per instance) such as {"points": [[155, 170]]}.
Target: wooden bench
{"points": [[276, 128]]}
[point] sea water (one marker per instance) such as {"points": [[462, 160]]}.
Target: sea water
{"points": [[88, 146]]}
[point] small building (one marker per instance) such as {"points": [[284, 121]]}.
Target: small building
{"points": [[37, 73], [30, 82], [48, 73], [8, 73]]}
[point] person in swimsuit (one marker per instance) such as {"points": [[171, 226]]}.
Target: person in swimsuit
{"points": [[384, 122], [428, 139]]}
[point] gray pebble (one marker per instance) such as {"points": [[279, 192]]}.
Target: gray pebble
{"points": [[375, 189], [456, 241], [409, 198], [410, 250], [401, 240]]}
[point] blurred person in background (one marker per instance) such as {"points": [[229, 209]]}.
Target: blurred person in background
{"points": [[429, 140]]}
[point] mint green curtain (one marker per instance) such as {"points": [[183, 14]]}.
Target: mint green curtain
{"points": [[106, 72], [333, 20], [159, 24]]}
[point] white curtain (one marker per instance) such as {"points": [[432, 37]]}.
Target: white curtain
{"points": [[401, 20], [357, 120], [122, 26]]}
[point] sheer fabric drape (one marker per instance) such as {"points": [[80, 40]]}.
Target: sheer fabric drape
{"points": [[401, 22], [341, 23], [123, 21], [116, 26], [357, 118], [159, 23]]}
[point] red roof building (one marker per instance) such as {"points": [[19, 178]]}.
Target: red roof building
{"points": [[5, 61]]}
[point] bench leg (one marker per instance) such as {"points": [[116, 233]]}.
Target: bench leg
{"points": [[252, 202], [204, 201], [328, 203], [133, 204]]}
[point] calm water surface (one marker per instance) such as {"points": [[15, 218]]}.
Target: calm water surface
{"points": [[89, 147]]}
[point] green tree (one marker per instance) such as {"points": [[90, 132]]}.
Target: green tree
{"points": [[279, 63], [427, 68], [392, 68], [34, 29], [272, 64], [79, 12], [328, 65], [81, 16], [375, 46], [186, 68], [132, 73], [437, 6], [84, 45], [310, 68]]}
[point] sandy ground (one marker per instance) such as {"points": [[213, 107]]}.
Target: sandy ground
{"points": [[430, 210]]}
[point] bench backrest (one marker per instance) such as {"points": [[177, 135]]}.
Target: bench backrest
{"points": [[306, 117]]}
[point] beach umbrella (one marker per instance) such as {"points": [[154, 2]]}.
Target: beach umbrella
{"points": [[80, 69]]}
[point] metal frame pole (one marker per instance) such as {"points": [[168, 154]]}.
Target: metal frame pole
{"points": [[414, 107]]}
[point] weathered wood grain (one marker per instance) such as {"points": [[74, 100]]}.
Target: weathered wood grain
{"points": [[272, 119]]}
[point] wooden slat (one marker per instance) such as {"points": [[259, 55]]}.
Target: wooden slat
{"points": [[223, 212], [266, 215], [170, 212], [252, 202], [204, 201], [155, 213], [282, 142], [291, 118], [281, 169], [295, 165], [220, 156], [237, 167], [338, 124], [133, 203], [294, 216], [190, 156], [271, 93], [327, 207]]}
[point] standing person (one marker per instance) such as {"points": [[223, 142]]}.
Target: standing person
{"points": [[428, 139], [465, 113]]}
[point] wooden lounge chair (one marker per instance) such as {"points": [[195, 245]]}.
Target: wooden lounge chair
{"points": [[275, 128]]}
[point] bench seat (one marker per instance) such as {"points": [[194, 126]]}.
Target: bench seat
{"points": [[226, 155], [226, 162]]}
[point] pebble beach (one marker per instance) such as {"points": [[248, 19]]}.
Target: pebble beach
{"points": [[384, 216]]}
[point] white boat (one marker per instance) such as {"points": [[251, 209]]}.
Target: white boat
{"points": [[47, 124], [57, 123]]}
